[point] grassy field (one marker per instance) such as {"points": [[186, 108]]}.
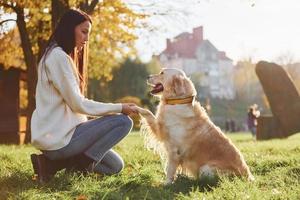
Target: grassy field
{"points": [[275, 165]]}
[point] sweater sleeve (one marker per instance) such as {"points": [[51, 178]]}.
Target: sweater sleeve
{"points": [[61, 74]]}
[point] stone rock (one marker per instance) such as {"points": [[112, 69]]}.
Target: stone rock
{"points": [[284, 101]]}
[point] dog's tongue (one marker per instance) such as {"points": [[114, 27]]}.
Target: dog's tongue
{"points": [[157, 88]]}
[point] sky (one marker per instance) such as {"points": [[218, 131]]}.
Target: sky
{"points": [[256, 29]]}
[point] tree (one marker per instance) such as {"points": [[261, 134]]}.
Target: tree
{"points": [[112, 38], [287, 61], [154, 66], [33, 19], [248, 87], [10, 45], [129, 80], [30, 59], [245, 79], [294, 71]]}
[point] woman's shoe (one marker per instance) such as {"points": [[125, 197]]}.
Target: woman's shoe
{"points": [[40, 168]]}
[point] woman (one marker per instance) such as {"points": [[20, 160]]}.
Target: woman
{"points": [[252, 115], [59, 124]]}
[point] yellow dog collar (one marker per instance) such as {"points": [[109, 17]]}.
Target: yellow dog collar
{"points": [[184, 100]]}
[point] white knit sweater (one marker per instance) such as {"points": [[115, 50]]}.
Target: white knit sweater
{"points": [[60, 106]]}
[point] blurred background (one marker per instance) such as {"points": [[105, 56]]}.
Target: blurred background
{"points": [[217, 43]]}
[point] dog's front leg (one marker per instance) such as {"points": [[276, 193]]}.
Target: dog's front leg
{"points": [[171, 171], [149, 117]]}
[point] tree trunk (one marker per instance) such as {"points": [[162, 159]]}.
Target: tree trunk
{"points": [[88, 7], [58, 8], [30, 61]]}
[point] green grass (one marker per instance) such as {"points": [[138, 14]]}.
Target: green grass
{"points": [[274, 163]]}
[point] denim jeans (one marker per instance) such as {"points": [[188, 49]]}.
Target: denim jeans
{"points": [[253, 131], [95, 138]]}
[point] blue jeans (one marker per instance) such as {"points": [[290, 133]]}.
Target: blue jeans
{"points": [[253, 131], [95, 138]]}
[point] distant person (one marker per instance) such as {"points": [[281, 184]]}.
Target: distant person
{"points": [[253, 114], [59, 125]]}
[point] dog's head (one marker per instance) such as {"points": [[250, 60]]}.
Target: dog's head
{"points": [[171, 83]]}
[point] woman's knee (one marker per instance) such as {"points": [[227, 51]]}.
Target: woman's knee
{"points": [[120, 120], [126, 122], [111, 164], [109, 170], [118, 167]]}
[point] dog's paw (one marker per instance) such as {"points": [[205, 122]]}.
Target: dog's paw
{"points": [[251, 178], [143, 111], [168, 182]]}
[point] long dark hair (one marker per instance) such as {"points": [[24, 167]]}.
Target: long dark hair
{"points": [[64, 37]]}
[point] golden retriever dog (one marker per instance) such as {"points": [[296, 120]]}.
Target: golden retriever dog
{"points": [[190, 141]]}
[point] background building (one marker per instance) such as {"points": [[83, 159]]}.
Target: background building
{"points": [[210, 69]]}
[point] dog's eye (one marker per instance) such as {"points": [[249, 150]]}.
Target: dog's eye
{"points": [[161, 73]]}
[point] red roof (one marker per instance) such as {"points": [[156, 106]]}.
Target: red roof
{"points": [[186, 44], [222, 56]]}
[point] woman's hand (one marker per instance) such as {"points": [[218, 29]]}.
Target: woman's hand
{"points": [[129, 108]]}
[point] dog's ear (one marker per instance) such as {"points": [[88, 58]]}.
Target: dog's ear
{"points": [[178, 83]]}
